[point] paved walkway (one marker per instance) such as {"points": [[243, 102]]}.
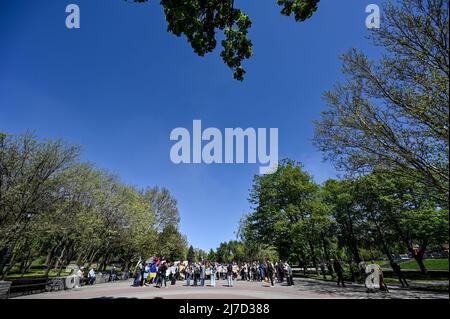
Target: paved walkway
{"points": [[303, 289]]}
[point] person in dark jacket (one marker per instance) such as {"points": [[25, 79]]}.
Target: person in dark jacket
{"points": [[270, 271], [339, 272]]}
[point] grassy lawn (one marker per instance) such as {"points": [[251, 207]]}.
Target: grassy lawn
{"points": [[35, 273], [430, 264]]}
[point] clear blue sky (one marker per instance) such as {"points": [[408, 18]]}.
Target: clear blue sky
{"points": [[121, 83]]}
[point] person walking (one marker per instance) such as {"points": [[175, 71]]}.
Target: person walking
{"points": [[197, 271], [339, 272]]}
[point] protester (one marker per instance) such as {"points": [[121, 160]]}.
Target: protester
{"points": [[188, 274], [270, 272], [230, 274], [213, 274], [203, 274], [145, 274], [162, 275]]}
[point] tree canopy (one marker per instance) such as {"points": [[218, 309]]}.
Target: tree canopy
{"points": [[200, 21], [53, 205], [392, 114]]}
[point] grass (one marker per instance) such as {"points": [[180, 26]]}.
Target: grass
{"points": [[430, 264], [34, 273]]}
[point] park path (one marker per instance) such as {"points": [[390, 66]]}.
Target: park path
{"points": [[303, 289]]}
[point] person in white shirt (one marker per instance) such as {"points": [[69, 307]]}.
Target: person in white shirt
{"points": [[91, 276]]}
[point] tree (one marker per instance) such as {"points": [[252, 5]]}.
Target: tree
{"points": [[54, 208], [393, 114], [199, 21], [340, 196], [164, 206], [288, 213], [30, 183], [191, 254], [171, 244], [401, 214], [211, 255]]}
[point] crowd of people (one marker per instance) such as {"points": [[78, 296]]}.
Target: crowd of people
{"points": [[158, 272]]}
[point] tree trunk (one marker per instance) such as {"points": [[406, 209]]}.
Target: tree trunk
{"points": [[6, 254], [314, 258], [418, 257]]}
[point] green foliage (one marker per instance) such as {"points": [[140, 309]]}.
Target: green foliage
{"points": [[302, 9], [392, 114], [191, 254], [360, 219], [171, 244], [212, 255], [432, 264], [53, 205], [199, 21]]}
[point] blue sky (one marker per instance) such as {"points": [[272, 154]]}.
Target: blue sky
{"points": [[121, 83]]}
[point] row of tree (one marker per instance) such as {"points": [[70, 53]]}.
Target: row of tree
{"points": [[233, 251], [55, 208], [355, 219], [387, 129]]}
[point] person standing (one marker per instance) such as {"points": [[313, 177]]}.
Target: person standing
{"points": [[262, 271], [288, 270], [188, 274], [202, 274], [230, 274], [162, 269], [113, 274], [91, 276], [270, 272], [146, 274], [213, 274], [339, 272]]}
